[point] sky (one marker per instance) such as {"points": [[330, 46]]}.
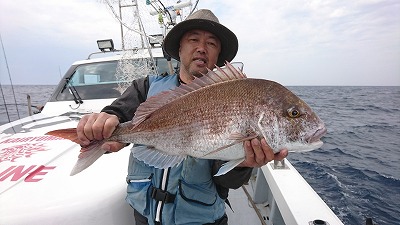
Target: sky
{"points": [[293, 42]]}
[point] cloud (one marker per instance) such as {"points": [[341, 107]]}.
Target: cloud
{"points": [[316, 42], [44, 36], [306, 42], [65, 21]]}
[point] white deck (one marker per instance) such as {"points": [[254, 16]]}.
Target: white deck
{"points": [[243, 208]]}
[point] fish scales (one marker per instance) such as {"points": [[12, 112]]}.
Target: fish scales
{"points": [[199, 122], [212, 116]]}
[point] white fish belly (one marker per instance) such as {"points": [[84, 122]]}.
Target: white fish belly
{"points": [[199, 143]]}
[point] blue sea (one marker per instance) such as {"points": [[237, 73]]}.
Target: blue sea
{"points": [[356, 171]]}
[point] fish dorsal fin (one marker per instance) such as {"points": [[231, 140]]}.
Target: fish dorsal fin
{"points": [[155, 102]]}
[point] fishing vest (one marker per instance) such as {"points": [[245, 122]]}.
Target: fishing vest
{"points": [[184, 194]]}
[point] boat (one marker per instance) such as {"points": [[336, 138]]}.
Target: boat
{"points": [[35, 182]]}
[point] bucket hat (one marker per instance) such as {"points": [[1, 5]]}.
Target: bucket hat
{"points": [[202, 19]]}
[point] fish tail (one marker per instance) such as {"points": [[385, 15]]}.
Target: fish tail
{"points": [[88, 155], [69, 134]]}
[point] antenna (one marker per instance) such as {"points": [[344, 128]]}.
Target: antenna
{"points": [[11, 83]]}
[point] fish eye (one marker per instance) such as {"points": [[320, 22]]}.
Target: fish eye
{"points": [[293, 112]]}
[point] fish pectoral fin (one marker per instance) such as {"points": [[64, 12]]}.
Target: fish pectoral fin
{"points": [[155, 157], [228, 166], [239, 137]]}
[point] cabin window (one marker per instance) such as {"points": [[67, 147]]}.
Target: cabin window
{"points": [[97, 73], [99, 80]]}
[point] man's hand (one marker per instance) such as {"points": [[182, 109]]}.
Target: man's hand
{"points": [[258, 153], [98, 126]]}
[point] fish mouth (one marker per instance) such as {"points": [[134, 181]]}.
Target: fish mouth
{"points": [[315, 137]]}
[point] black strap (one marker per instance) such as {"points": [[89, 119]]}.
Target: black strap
{"points": [[221, 221], [161, 195], [229, 204]]}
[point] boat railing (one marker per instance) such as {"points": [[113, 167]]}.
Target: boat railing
{"points": [[288, 198]]}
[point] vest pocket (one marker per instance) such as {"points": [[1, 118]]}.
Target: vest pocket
{"points": [[138, 191], [197, 204], [139, 181], [196, 194]]}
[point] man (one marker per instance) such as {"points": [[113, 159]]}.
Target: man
{"points": [[188, 193]]}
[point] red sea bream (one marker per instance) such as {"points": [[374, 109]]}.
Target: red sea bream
{"points": [[210, 118]]}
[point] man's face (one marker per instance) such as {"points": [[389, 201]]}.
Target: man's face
{"points": [[198, 51]]}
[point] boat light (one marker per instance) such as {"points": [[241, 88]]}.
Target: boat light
{"points": [[106, 45], [156, 39]]}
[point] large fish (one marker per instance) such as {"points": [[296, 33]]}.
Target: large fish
{"points": [[210, 118]]}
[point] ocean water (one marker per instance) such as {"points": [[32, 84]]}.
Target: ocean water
{"points": [[14, 103], [356, 171]]}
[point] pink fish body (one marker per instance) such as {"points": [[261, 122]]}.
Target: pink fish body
{"points": [[211, 117]]}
